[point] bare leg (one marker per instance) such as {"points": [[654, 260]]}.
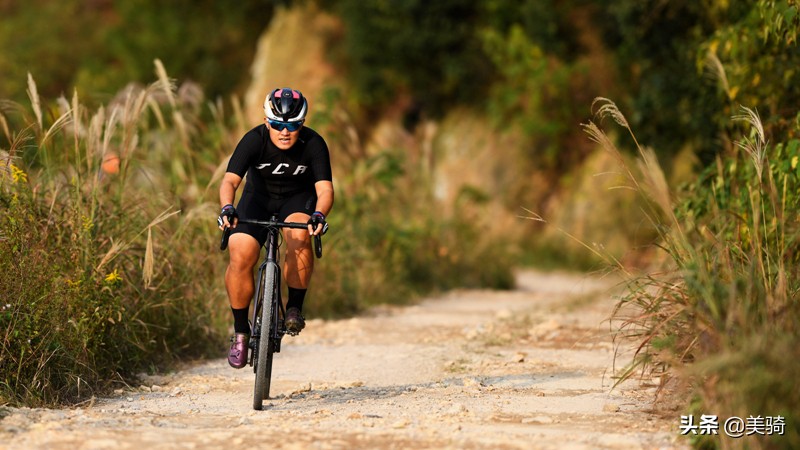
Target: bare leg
{"points": [[299, 262], [244, 251]]}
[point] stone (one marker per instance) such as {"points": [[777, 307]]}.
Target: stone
{"points": [[610, 407], [400, 424], [472, 382], [544, 420], [455, 409], [504, 314]]}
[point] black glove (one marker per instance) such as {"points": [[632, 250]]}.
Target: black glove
{"points": [[227, 211], [316, 219]]}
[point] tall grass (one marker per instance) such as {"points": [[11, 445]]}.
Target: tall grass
{"points": [[105, 268], [721, 313], [109, 262]]}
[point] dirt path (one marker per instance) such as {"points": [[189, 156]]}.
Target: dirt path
{"points": [[473, 369]]}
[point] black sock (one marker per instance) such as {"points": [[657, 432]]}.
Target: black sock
{"points": [[296, 297], [240, 323]]}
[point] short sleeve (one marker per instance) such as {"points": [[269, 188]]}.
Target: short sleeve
{"points": [[320, 160], [247, 150]]}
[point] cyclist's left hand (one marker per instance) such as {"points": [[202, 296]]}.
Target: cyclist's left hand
{"points": [[317, 224]]}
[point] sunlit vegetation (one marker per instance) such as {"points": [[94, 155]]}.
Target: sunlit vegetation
{"points": [[104, 241], [126, 191], [109, 259], [720, 313]]}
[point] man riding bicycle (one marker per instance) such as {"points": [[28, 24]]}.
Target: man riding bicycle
{"points": [[289, 174]]}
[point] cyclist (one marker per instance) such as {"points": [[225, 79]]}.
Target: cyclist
{"points": [[288, 173]]}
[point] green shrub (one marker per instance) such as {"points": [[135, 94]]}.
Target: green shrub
{"points": [[101, 275], [722, 313]]}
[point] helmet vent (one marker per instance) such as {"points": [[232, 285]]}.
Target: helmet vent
{"points": [[285, 105]]}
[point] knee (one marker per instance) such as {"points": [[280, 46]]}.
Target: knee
{"points": [[239, 264], [297, 239], [242, 259]]}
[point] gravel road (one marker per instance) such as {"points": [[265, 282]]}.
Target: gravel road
{"points": [[529, 368]]}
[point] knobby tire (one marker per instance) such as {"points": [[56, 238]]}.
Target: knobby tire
{"points": [[265, 348]]}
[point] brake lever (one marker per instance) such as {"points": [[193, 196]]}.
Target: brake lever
{"points": [[318, 246], [226, 233]]}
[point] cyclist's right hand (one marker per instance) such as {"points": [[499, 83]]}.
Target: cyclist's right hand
{"points": [[227, 217]]}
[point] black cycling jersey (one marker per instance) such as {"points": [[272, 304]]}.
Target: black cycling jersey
{"points": [[279, 174]]}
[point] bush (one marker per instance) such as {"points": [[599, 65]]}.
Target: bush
{"points": [[722, 313], [391, 238], [102, 277], [391, 243]]}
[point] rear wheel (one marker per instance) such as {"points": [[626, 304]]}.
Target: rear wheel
{"points": [[265, 349]]}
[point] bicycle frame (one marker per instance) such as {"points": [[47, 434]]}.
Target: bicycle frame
{"points": [[271, 261]]}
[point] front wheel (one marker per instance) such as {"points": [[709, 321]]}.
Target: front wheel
{"points": [[265, 348]]}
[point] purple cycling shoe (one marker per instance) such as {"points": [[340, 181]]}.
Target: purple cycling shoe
{"points": [[237, 356], [295, 321]]}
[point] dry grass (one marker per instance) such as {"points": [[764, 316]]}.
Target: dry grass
{"points": [[137, 282], [728, 287], [120, 290]]}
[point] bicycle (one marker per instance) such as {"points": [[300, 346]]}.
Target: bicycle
{"points": [[268, 309]]}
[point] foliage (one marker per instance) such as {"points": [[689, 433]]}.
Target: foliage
{"points": [[539, 73], [391, 239], [754, 61], [402, 254], [729, 288], [549, 24], [544, 69], [674, 55], [101, 46], [392, 46], [535, 79], [657, 45], [521, 98], [99, 265]]}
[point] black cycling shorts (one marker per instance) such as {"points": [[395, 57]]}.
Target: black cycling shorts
{"points": [[250, 207]]}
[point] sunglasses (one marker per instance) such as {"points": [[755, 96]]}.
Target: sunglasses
{"points": [[279, 126]]}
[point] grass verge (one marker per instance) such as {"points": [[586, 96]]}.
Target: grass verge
{"points": [[721, 313]]}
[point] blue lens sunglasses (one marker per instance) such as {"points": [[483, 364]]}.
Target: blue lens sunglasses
{"points": [[279, 126]]}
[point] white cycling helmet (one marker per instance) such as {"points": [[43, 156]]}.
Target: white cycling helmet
{"points": [[285, 105]]}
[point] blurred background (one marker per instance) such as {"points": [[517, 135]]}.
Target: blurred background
{"points": [[480, 101], [458, 133]]}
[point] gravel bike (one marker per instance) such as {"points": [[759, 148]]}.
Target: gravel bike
{"points": [[267, 323]]}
